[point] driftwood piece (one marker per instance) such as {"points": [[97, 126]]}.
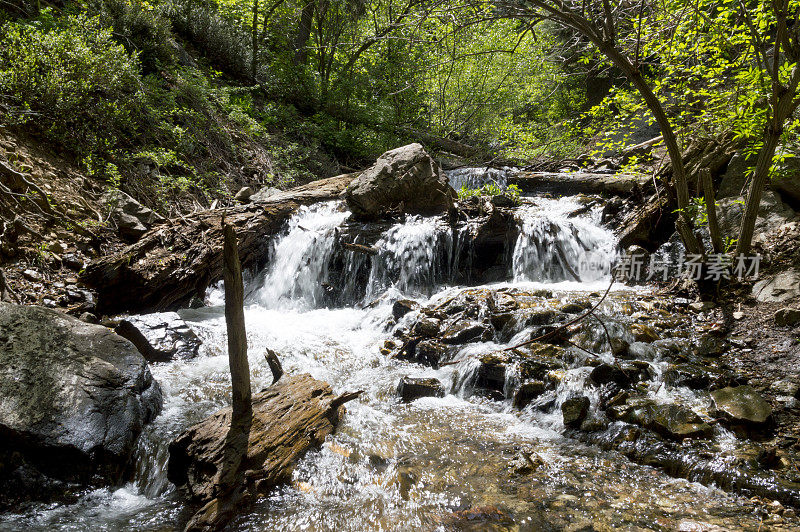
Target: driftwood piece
{"points": [[274, 364], [287, 420], [580, 183], [234, 321], [179, 259], [360, 248]]}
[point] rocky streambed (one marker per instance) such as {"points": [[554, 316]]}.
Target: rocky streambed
{"points": [[506, 385]]}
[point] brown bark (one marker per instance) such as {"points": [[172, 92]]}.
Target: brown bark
{"points": [[711, 210], [288, 419], [785, 105], [234, 320], [179, 259]]}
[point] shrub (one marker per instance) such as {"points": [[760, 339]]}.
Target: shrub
{"points": [[72, 81]]}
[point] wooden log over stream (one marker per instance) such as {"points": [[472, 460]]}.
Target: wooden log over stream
{"points": [[580, 183], [288, 419], [179, 259]]}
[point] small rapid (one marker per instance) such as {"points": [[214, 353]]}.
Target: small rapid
{"points": [[437, 463]]}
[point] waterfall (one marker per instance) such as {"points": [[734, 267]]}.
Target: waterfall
{"points": [[300, 258], [552, 246], [418, 256]]}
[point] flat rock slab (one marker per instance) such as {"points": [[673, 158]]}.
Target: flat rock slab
{"points": [[742, 404], [73, 400], [289, 418]]}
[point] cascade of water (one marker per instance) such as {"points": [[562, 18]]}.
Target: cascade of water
{"points": [[415, 257], [301, 257], [554, 247], [474, 178]]}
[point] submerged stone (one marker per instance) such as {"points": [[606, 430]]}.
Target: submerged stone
{"points": [[427, 327], [643, 333], [402, 307], [161, 336], [527, 392]]}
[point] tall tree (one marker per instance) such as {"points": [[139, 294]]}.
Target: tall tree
{"points": [[597, 21]]}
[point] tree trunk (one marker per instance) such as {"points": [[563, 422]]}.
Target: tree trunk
{"points": [[784, 108], [234, 319], [254, 59], [670, 140], [711, 210], [304, 33]]}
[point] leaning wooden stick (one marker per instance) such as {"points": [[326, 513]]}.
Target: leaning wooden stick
{"points": [[564, 326]]}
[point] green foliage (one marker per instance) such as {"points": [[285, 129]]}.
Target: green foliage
{"points": [[71, 79], [709, 73], [491, 189]]}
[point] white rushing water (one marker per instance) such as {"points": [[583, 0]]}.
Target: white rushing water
{"points": [[390, 466]]}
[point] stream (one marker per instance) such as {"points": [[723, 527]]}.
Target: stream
{"points": [[437, 463]]}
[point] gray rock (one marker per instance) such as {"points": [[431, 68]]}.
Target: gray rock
{"points": [[772, 213], [670, 420], [132, 218], [406, 178], [702, 306], [785, 387], [244, 195], [411, 388], [431, 352], [787, 316], [427, 327], [264, 194], [787, 180], [73, 400], [464, 331], [574, 410], [161, 336], [711, 346], [605, 373], [784, 286], [734, 180], [742, 404]]}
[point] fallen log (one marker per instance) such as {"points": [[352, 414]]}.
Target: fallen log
{"points": [[179, 259], [579, 183], [288, 419]]}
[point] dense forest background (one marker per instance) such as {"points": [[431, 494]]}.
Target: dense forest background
{"points": [[180, 102]]}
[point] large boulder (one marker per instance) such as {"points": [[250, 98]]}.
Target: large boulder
{"points": [[132, 218], [772, 213], [160, 336], [784, 286], [405, 178], [73, 400], [787, 180]]}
